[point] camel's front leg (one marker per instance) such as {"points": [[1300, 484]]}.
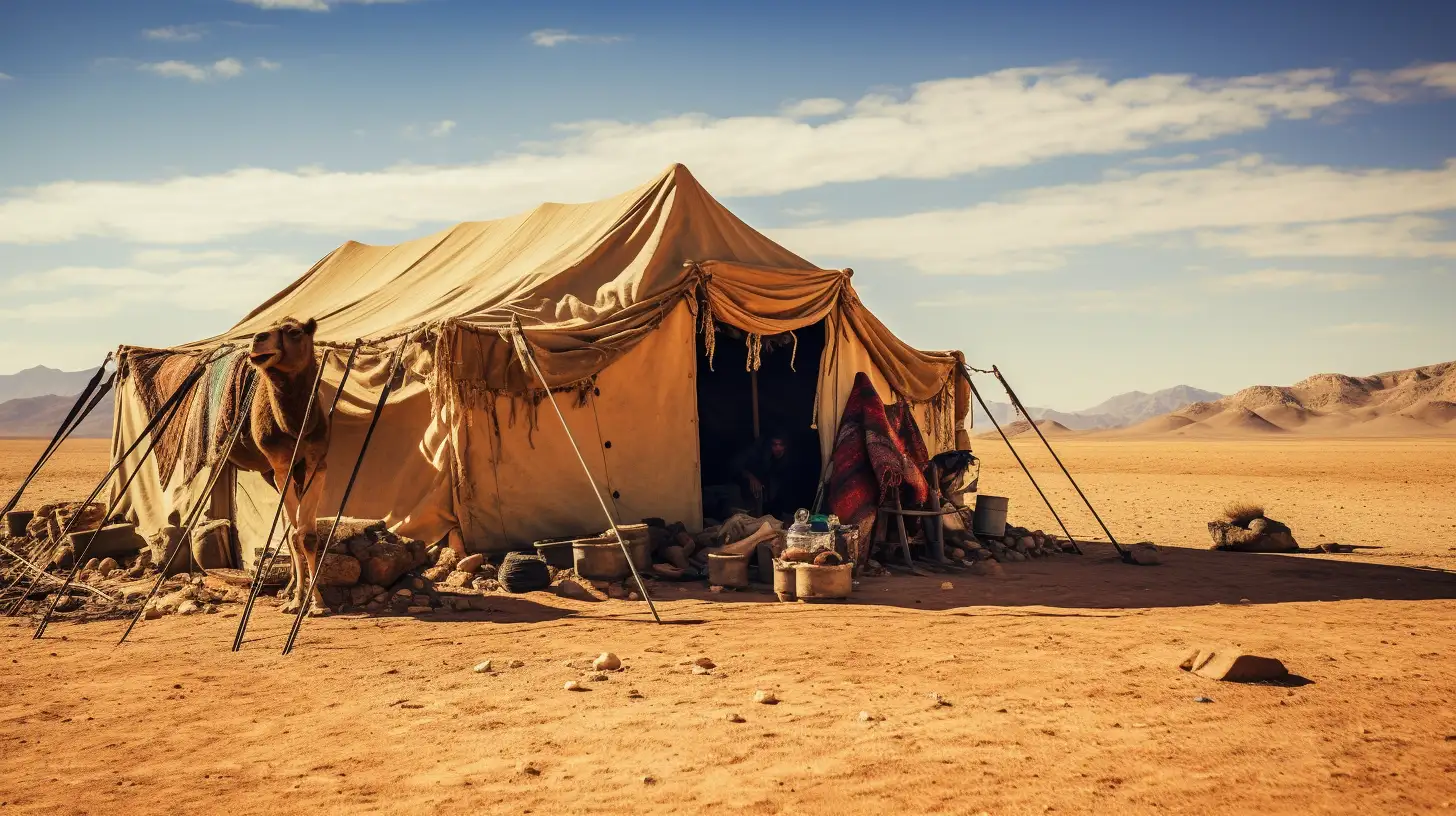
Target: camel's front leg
{"points": [[310, 543], [298, 583]]}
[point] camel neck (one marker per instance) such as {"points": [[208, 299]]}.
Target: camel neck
{"points": [[288, 394]]}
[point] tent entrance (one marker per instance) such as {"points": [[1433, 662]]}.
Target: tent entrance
{"points": [[778, 399]]}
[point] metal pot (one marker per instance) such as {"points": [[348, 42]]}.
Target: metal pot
{"points": [[823, 583], [601, 558], [728, 570]]}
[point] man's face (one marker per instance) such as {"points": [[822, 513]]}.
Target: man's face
{"points": [[777, 448]]}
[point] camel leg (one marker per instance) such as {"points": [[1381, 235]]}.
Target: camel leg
{"points": [[299, 580], [309, 543]]}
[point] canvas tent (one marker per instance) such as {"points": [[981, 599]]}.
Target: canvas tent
{"points": [[619, 299]]}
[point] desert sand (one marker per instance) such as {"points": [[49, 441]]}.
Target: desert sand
{"points": [[1058, 684]]}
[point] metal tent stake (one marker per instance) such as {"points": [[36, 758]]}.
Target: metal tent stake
{"points": [[523, 350], [1024, 468], [1016, 401], [395, 364]]}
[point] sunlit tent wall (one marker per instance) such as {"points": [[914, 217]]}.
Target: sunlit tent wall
{"points": [[618, 298]]}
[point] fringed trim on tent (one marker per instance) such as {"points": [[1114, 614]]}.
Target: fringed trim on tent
{"points": [[755, 351]]}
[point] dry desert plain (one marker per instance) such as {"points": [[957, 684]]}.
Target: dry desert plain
{"points": [[1059, 685]]}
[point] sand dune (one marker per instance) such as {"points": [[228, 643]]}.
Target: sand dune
{"points": [[1049, 427], [1410, 402]]}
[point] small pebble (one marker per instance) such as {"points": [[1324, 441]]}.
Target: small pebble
{"points": [[947, 585], [865, 716], [938, 700], [607, 662], [705, 663], [765, 697], [515, 664], [572, 685], [529, 769], [649, 780], [1202, 699], [700, 670], [634, 694], [482, 668], [736, 718], [598, 678], [715, 588]]}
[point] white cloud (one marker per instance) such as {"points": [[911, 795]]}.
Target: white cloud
{"points": [[227, 68], [811, 108], [941, 129], [1236, 204], [312, 5], [1396, 86], [806, 211], [1166, 161], [207, 281], [1407, 236], [5, 77], [1263, 279], [192, 32], [552, 37], [266, 64], [442, 128]]}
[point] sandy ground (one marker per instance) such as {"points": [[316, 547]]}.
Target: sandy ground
{"points": [[1061, 678]]}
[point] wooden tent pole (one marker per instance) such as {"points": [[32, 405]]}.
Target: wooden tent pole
{"points": [[753, 386], [518, 339]]}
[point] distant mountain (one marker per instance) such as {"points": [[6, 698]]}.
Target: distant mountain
{"points": [[41, 416], [1410, 402], [33, 403], [39, 381], [1118, 412]]}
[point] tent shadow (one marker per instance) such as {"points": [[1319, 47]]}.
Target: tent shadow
{"points": [[1099, 580]]}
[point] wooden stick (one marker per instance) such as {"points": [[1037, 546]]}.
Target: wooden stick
{"points": [[523, 350]]}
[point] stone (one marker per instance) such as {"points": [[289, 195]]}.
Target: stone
{"points": [[735, 718], [339, 570], [865, 716], [946, 585], [458, 579], [572, 685], [937, 701], [701, 670], [470, 563], [188, 608], [598, 678], [607, 662], [446, 558], [107, 566], [1234, 666], [113, 540], [167, 549], [616, 592], [715, 588], [765, 697], [515, 664], [92, 565], [419, 610], [385, 558], [988, 567], [529, 769], [152, 613], [706, 663], [419, 599], [1144, 554], [361, 594], [482, 668], [649, 780], [1202, 699], [436, 573], [634, 694]]}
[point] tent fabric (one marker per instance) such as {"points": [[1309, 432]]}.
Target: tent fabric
{"points": [[613, 297]]}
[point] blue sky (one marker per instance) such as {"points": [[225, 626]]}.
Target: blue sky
{"points": [[1220, 194]]}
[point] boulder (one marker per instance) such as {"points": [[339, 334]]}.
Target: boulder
{"points": [[1144, 554], [339, 570], [1271, 536], [1234, 666], [385, 557]]}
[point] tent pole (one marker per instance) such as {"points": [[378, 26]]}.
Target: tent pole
{"points": [[1024, 469], [172, 401], [523, 350], [753, 387], [1015, 400], [68, 425], [395, 364], [282, 494], [204, 498]]}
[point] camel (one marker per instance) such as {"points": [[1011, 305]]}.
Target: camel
{"points": [[283, 357]]}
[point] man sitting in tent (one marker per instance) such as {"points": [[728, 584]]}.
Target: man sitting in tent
{"points": [[766, 470]]}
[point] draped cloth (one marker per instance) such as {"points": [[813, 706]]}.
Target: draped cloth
{"points": [[878, 449]]}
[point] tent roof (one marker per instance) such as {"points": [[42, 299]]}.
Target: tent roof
{"points": [[554, 266]]}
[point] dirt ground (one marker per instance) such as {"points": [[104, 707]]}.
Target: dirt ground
{"points": [[1059, 681]]}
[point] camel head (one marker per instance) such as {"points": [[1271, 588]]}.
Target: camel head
{"points": [[286, 348]]}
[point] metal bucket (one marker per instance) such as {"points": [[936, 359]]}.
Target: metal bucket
{"points": [[823, 583], [990, 516], [557, 553], [601, 559], [784, 580], [16, 521], [728, 570]]}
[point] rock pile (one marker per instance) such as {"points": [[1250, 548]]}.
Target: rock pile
{"points": [[1245, 528]]}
